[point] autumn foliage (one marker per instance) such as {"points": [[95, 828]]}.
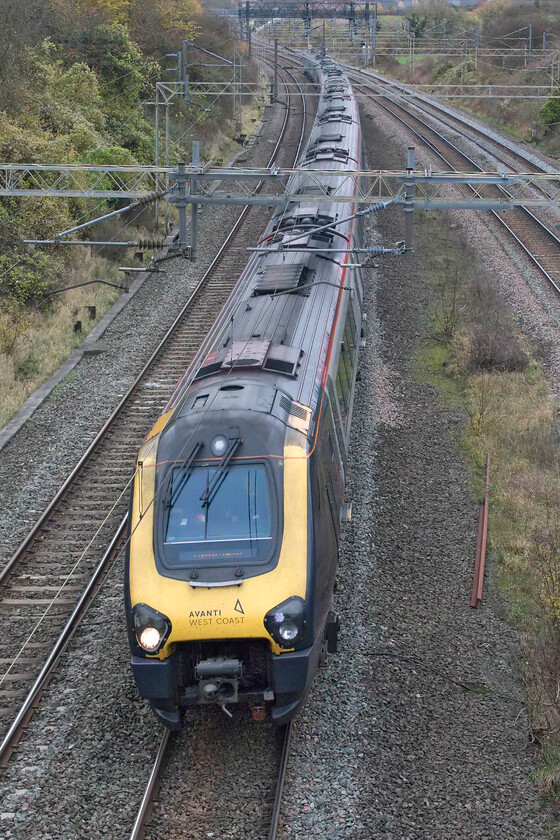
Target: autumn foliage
{"points": [[73, 77]]}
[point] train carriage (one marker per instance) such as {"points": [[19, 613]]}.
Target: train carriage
{"points": [[236, 507]]}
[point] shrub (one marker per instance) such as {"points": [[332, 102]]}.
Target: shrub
{"points": [[550, 112], [491, 346], [30, 278]]}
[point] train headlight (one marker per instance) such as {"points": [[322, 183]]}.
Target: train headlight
{"points": [[286, 622], [219, 446], [150, 627]]}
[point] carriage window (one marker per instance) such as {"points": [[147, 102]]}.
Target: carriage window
{"points": [[343, 391], [235, 526], [345, 372]]}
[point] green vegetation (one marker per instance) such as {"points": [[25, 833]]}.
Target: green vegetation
{"points": [[74, 79], [474, 353]]}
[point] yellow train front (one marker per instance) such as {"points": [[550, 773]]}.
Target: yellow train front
{"points": [[237, 500], [225, 602]]}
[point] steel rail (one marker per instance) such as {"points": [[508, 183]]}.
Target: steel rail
{"points": [[30, 701], [145, 809], [543, 229], [425, 103], [14, 733], [280, 781]]}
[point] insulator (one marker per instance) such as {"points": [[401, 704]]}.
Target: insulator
{"points": [[150, 244], [147, 199]]}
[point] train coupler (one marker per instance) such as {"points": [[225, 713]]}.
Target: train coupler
{"points": [[218, 681]]}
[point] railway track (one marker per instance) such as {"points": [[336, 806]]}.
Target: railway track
{"points": [[532, 235], [461, 124], [48, 582], [161, 762]]}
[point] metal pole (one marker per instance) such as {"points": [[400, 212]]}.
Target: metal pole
{"points": [[476, 48], [157, 152], [410, 191], [234, 97], [544, 43], [181, 206], [374, 35], [166, 163], [530, 40], [237, 70], [275, 82], [476, 42], [194, 207], [185, 74], [248, 25]]}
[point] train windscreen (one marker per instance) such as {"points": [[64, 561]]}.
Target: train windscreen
{"points": [[230, 524]]}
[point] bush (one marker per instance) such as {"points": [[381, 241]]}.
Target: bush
{"points": [[550, 112], [31, 277], [488, 346]]}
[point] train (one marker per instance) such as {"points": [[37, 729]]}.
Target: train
{"points": [[239, 493]]}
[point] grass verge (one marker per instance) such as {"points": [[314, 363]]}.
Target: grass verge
{"points": [[474, 353], [33, 343]]}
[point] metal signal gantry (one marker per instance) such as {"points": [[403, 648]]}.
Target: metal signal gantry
{"points": [[191, 185]]}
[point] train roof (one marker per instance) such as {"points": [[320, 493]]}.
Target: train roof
{"points": [[292, 296]]}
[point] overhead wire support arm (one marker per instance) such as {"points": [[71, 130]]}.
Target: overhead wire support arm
{"points": [[372, 251], [100, 243], [81, 285], [140, 203]]}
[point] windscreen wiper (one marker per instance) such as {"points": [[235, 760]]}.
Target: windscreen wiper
{"points": [[220, 474], [185, 470]]}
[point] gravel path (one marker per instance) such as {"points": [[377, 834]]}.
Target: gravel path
{"points": [[389, 745], [409, 754]]}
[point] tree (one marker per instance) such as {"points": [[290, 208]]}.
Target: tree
{"points": [[416, 25], [152, 22], [24, 22]]}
